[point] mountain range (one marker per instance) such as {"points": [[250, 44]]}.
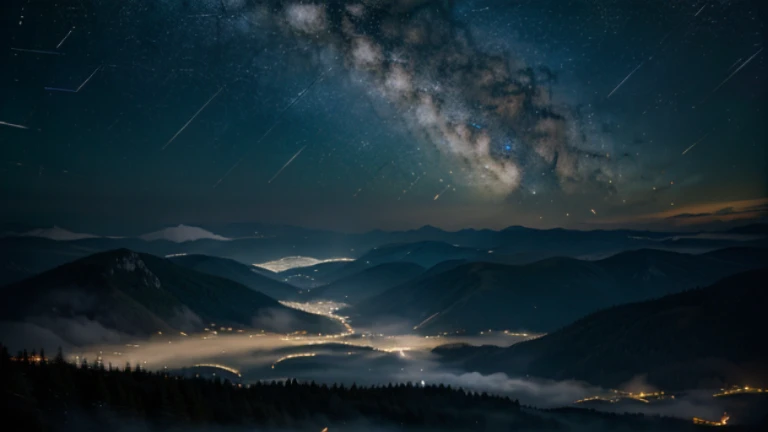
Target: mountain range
{"points": [[255, 278], [122, 292], [367, 283], [704, 338], [545, 295], [25, 251], [433, 286]]}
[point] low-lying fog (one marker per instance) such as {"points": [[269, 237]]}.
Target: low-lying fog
{"points": [[363, 359]]}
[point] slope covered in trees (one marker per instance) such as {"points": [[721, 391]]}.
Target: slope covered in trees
{"points": [[703, 338], [255, 278], [54, 395], [139, 294], [545, 295]]}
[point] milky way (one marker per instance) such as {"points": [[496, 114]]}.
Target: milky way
{"points": [[492, 113], [535, 112]]}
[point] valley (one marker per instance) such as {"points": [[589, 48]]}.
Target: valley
{"points": [[414, 312]]}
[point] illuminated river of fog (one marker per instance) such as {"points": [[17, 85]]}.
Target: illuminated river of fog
{"points": [[356, 357], [249, 352]]}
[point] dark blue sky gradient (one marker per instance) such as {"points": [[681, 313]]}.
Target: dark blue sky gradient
{"points": [[94, 158]]}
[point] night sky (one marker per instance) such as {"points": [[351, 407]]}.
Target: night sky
{"points": [[392, 114]]}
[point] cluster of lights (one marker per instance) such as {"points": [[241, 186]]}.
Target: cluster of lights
{"points": [[739, 390], [618, 395], [326, 309], [292, 356], [723, 421], [222, 367]]}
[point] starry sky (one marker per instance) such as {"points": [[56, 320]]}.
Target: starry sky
{"points": [[389, 114]]}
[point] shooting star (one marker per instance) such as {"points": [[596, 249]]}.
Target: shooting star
{"points": [[697, 141], [441, 192], [65, 38], [411, 185], [735, 63], [88, 79], [593, 211], [115, 122], [77, 90], [37, 51], [702, 8], [625, 79], [286, 164], [746, 62], [191, 119], [13, 125], [274, 124]]}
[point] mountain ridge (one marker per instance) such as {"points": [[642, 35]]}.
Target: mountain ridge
{"points": [[700, 338], [476, 296], [366, 283], [139, 294], [255, 278]]}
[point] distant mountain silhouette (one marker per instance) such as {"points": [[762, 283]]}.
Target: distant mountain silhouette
{"points": [[312, 276], [367, 283], [23, 256], [423, 254], [703, 338], [255, 278], [545, 295], [760, 228], [741, 255], [181, 234], [56, 233], [125, 292]]}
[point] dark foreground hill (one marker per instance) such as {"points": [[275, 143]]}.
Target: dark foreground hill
{"points": [[257, 279], [54, 395], [122, 292], [546, 295], [705, 338]]}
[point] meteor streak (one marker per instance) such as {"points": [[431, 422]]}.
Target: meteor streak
{"points": [[735, 64], [13, 125], [625, 79], [441, 192], [746, 62], [287, 163], [77, 89], [694, 144], [191, 119], [37, 51], [65, 38], [427, 320], [274, 124]]}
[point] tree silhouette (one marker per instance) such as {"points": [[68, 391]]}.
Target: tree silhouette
{"points": [[46, 391]]}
